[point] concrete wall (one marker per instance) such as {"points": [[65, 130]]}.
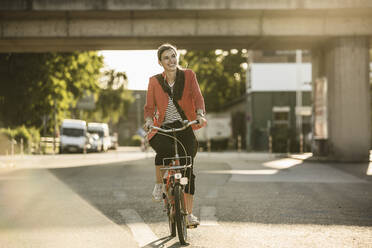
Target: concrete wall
{"points": [[345, 63]]}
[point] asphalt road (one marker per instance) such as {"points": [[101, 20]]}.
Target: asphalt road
{"points": [[242, 200]]}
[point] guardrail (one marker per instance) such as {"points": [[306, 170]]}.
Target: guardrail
{"points": [[48, 145]]}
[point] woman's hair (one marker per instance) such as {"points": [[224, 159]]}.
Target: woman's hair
{"points": [[165, 47]]}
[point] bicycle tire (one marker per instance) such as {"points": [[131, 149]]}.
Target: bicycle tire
{"points": [[180, 216], [171, 221]]}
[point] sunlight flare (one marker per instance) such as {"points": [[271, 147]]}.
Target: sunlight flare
{"points": [[284, 163]]}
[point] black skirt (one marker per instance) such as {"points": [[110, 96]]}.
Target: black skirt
{"points": [[164, 145], [164, 148]]}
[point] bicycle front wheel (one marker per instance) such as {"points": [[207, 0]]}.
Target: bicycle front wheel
{"points": [[180, 214], [171, 221]]}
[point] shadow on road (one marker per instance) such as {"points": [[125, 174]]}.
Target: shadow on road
{"points": [[307, 193]]}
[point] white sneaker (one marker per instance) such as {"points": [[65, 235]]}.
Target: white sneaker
{"points": [[157, 193], [192, 220]]}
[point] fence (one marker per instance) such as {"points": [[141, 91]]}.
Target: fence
{"points": [[48, 145]]}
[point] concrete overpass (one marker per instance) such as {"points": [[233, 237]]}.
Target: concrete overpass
{"points": [[54, 25], [338, 32]]}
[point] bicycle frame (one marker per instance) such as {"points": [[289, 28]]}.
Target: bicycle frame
{"points": [[174, 183], [175, 168]]}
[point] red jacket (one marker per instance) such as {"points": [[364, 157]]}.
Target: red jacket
{"points": [[157, 100]]}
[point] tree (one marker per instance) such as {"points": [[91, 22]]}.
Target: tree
{"points": [[35, 85], [221, 75], [113, 99]]}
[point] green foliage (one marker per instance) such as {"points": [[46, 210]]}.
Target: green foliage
{"points": [[35, 85], [113, 99], [8, 133], [220, 74], [28, 135], [135, 140], [21, 133]]}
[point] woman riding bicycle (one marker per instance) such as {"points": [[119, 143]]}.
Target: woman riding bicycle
{"points": [[174, 96]]}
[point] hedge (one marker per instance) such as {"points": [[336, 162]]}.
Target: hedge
{"points": [[29, 136]]}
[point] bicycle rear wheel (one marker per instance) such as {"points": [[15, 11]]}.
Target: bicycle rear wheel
{"points": [[180, 214]]}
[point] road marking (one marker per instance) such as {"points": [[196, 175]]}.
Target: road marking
{"points": [[241, 172], [141, 232], [208, 216], [120, 195]]}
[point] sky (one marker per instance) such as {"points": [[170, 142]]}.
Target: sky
{"points": [[139, 65]]}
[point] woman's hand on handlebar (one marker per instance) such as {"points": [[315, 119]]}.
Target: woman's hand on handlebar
{"points": [[147, 126], [201, 120]]}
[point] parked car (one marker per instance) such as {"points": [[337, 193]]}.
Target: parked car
{"points": [[218, 131], [103, 132], [95, 143], [73, 136], [114, 141]]}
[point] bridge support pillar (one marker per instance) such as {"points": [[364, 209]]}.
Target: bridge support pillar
{"points": [[344, 62]]}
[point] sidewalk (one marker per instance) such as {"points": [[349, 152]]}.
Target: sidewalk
{"points": [[70, 160], [29, 201], [30, 196]]}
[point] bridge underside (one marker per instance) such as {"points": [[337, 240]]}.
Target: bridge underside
{"points": [[143, 43], [41, 31]]}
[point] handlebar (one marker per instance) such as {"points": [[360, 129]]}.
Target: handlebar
{"points": [[185, 122]]}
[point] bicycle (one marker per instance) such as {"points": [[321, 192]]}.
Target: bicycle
{"points": [[174, 181]]}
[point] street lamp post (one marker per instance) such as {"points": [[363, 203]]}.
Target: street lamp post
{"points": [[299, 98]]}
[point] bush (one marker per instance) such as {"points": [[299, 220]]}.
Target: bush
{"points": [[8, 133], [34, 134], [136, 140], [22, 133], [29, 136]]}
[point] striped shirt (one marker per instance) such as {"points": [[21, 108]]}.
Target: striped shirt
{"points": [[171, 114]]}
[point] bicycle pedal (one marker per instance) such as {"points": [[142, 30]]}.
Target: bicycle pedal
{"points": [[192, 226]]}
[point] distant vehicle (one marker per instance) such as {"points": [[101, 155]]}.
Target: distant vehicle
{"points": [[95, 143], [73, 136], [103, 132], [218, 131], [114, 141]]}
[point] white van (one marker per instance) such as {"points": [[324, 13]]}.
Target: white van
{"points": [[103, 131], [73, 136], [218, 131]]}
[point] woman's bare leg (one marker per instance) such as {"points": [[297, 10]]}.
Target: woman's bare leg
{"points": [[189, 202], [159, 173]]}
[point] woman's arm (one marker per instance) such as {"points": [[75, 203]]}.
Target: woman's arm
{"points": [[149, 108], [196, 94]]}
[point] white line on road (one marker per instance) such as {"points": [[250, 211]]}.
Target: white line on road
{"points": [[208, 216], [141, 232]]}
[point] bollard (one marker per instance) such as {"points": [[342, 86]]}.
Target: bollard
{"points": [[239, 143], [12, 153], [301, 143], [209, 145], [270, 144], [21, 146], [12, 147]]}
